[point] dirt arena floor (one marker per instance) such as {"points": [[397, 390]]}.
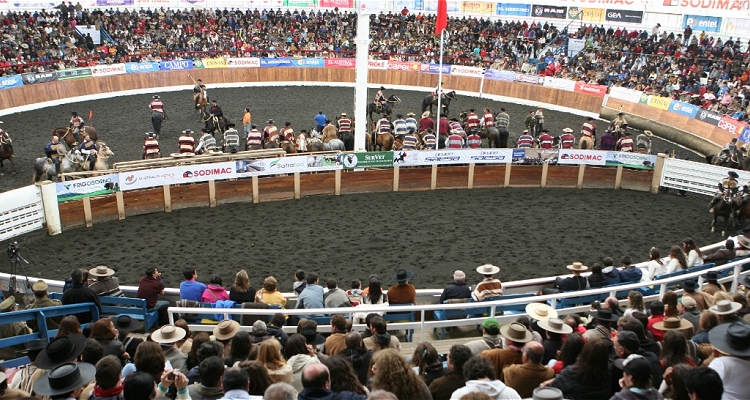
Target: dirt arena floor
{"points": [[527, 232]]}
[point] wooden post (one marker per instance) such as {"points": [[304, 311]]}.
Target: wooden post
{"points": [[433, 179], [120, 205], [471, 176], [256, 199], [337, 183], [212, 193], [658, 171], [395, 178], [545, 168], [507, 175], [581, 170], [618, 178], [297, 190], [167, 199], [87, 212]]}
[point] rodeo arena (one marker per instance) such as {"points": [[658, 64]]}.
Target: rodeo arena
{"points": [[576, 171]]}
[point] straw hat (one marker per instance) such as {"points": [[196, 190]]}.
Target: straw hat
{"points": [[168, 334], [488, 269], [226, 329], [101, 270], [673, 323], [555, 325], [516, 332], [568, 130], [723, 307], [426, 114], [546, 393], [577, 266], [540, 311]]}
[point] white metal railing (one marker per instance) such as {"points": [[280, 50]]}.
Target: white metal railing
{"points": [[21, 211], [696, 177]]}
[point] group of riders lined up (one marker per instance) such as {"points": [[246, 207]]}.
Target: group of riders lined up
{"points": [[731, 201]]}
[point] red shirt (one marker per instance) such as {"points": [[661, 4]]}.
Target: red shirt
{"points": [[149, 288], [658, 335]]}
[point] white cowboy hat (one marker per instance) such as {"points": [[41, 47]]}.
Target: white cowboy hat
{"points": [[648, 133], [577, 266], [540, 311], [226, 329], [516, 332], [426, 114], [555, 325], [724, 307], [488, 269], [168, 334], [101, 270], [567, 130]]}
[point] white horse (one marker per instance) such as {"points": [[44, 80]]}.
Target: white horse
{"points": [[103, 154], [334, 144], [70, 161]]}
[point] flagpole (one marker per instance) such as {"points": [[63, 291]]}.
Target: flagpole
{"points": [[439, 92]]}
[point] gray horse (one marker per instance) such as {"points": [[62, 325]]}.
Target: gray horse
{"points": [[70, 161], [334, 144]]}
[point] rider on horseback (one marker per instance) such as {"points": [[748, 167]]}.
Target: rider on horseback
{"points": [[51, 151], [399, 127], [156, 105], [199, 90], [379, 100], [88, 148], [411, 122], [270, 132], [215, 110], [727, 189], [472, 122], [567, 139], [287, 133], [76, 124], [729, 151], [437, 92], [186, 142], [5, 138], [329, 132]]}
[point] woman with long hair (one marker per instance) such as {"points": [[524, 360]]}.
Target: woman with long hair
{"points": [[391, 372], [104, 332], [374, 297], [186, 344], [635, 303], [269, 355], [343, 378], [589, 378], [569, 352], [259, 379], [298, 355], [677, 259], [655, 264], [670, 304], [69, 325], [674, 350], [269, 293], [241, 291], [241, 347], [694, 255], [427, 362], [214, 290], [198, 340], [148, 358]]}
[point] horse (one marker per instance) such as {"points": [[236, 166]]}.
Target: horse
{"points": [[492, 134], [288, 147], [724, 209], [386, 108], [334, 145], [271, 145], [6, 151], [214, 124], [726, 159], [66, 135], [157, 118], [103, 154], [314, 144], [368, 141], [70, 161], [586, 142], [643, 141], [200, 102], [385, 141], [445, 101], [348, 138]]}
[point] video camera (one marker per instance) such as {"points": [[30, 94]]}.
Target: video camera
{"points": [[13, 249]]}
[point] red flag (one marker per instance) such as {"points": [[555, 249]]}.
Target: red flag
{"points": [[91, 114], [442, 16]]}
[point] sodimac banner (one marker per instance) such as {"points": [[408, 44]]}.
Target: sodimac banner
{"points": [[340, 63], [461, 70], [588, 157], [176, 175], [106, 70], [243, 62]]}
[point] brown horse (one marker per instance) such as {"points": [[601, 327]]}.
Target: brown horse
{"points": [[200, 103], [289, 147], [66, 135], [385, 141], [6, 151]]}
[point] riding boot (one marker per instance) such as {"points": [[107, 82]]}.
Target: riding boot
{"points": [[76, 137], [57, 168]]}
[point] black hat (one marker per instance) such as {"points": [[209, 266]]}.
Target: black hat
{"points": [[629, 341], [33, 346], [232, 125], [287, 123], [710, 276], [270, 121], [382, 88], [156, 96], [605, 315], [124, 323], [73, 113], [312, 337], [61, 350], [733, 174], [206, 130], [64, 379], [402, 275], [253, 126], [213, 101], [690, 285]]}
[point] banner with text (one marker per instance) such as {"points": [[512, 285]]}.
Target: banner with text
{"points": [[731, 125], [519, 10], [737, 26], [276, 62], [176, 175], [106, 70], [73, 73], [38, 77], [87, 187], [534, 156], [377, 64], [590, 88], [702, 23], [377, 159], [309, 62], [435, 68], [340, 63], [243, 62], [559, 83], [133, 68], [176, 65], [500, 75], [709, 117], [461, 70], [548, 12], [683, 108], [621, 93], [11, 81], [586, 14], [288, 165], [477, 7], [630, 160], [403, 66], [588, 157], [626, 16]]}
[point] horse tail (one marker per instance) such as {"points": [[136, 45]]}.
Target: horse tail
{"points": [[584, 144]]}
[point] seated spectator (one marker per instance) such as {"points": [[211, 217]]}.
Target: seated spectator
{"points": [[104, 332], [635, 303], [209, 385], [457, 291], [275, 328], [380, 338], [65, 381], [611, 274], [280, 391], [403, 292], [702, 300], [355, 292], [554, 330], [269, 355], [26, 375], [358, 355], [524, 377], [224, 332], [150, 287], [480, 378], [215, 290], [442, 387], [732, 341], [107, 379], [312, 296], [343, 377], [41, 300], [712, 284], [335, 297], [337, 341], [206, 350], [490, 338], [138, 386], [694, 255], [670, 304], [602, 329], [646, 343], [190, 288], [636, 380], [241, 291], [655, 265], [427, 362], [374, 297], [722, 255], [516, 336], [259, 333], [596, 279], [589, 377], [677, 259], [269, 293], [300, 281], [236, 383], [106, 284], [316, 380], [656, 308], [391, 372], [690, 312], [727, 311], [629, 272], [571, 283], [626, 343], [569, 352], [77, 294], [148, 358], [489, 286]]}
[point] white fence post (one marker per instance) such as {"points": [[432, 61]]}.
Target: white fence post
{"points": [[51, 209]]}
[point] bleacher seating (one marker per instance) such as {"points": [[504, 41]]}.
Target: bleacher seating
{"points": [[580, 300], [620, 293], [133, 307], [407, 316], [485, 311], [700, 267]]}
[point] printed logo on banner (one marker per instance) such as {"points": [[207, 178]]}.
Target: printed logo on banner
{"points": [[34, 4], [466, 71], [144, 179], [490, 156], [367, 160], [588, 157], [377, 64], [217, 62], [38, 77], [251, 167], [114, 2], [476, 7], [213, 172], [435, 68], [535, 79], [243, 62], [79, 188], [340, 63], [104, 70], [630, 160], [176, 65], [659, 102], [11, 81], [141, 67], [731, 125], [745, 135], [276, 62], [521, 10], [337, 3], [403, 66], [405, 158], [702, 23], [631, 17], [559, 83], [708, 117], [549, 12], [309, 62], [590, 88], [685, 109]]}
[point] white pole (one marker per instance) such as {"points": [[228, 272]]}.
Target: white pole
{"points": [[439, 91], [481, 83], [51, 210], [360, 88]]}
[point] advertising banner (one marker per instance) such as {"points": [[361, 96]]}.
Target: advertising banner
{"points": [[702, 23], [708, 117], [114, 3], [176, 65], [38, 77], [340, 63], [377, 64], [217, 62], [586, 14], [176, 175], [575, 46], [630, 160], [460, 70], [431, 5], [429, 157], [336, 3], [36, 5], [299, 3], [403, 66], [243, 62], [731, 125], [590, 88], [155, 3], [588, 157], [11, 81], [500, 75], [559, 83], [378, 159], [520, 10], [106, 70], [659, 102], [477, 7], [525, 78], [625, 16], [621, 93], [276, 62], [434, 68], [133, 67], [490, 156], [548, 11], [682, 108], [288, 165], [745, 135], [74, 73], [309, 62], [534, 156], [87, 187], [737, 26]]}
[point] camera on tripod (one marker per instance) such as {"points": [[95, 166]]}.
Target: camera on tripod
{"points": [[13, 249]]}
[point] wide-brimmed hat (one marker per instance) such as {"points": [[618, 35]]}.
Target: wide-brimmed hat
{"points": [[402, 275], [604, 315], [555, 325], [8, 304], [690, 284], [39, 286], [577, 266], [101, 270], [61, 350], [312, 337], [168, 334], [33, 346], [648, 133], [426, 114], [567, 130], [733, 174], [724, 307], [343, 114], [64, 378], [732, 339], [516, 332], [226, 329], [488, 269], [710, 275], [410, 114], [540, 311], [124, 323], [546, 393], [673, 323]]}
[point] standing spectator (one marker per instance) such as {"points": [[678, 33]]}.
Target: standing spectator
{"points": [[215, 290], [312, 296], [150, 287], [269, 293], [380, 338], [391, 372], [403, 292], [247, 120], [335, 297], [539, 121], [480, 377], [489, 286], [209, 386], [242, 291], [316, 381], [442, 388], [106, 284], [190, 288], [554, 329], [186, 142], [516, 336], [269, 354], [531, 372], [490, 338], [79, 294]]}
